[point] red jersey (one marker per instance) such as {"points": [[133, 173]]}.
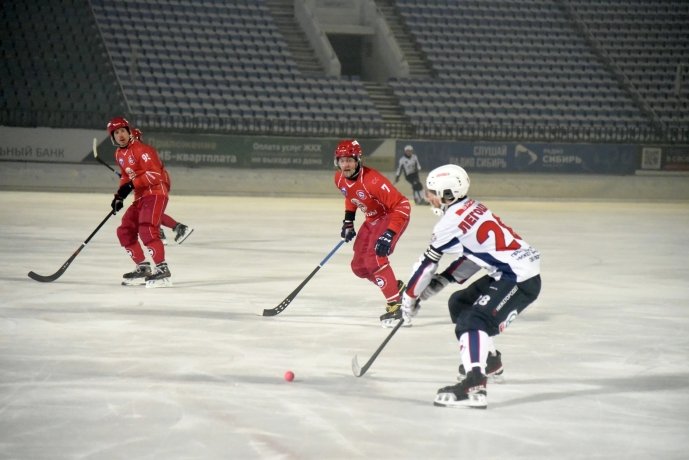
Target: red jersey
{"points": [[141, 164], [375, 196]]}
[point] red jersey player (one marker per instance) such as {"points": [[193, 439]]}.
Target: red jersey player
{"points": [[142, 172], [387, 213], [182, 231]]}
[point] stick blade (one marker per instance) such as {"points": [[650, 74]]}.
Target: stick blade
{"points": [[44, 279], [277, 310], [356, 369]]}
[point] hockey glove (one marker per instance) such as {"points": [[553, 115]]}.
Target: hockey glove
{"points": [[410, 305], [117, 204], [437, 284], [384, 243], [348, 232], [124, 190]]}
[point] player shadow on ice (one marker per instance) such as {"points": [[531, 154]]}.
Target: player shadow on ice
{"points": [[648, 383], [141, 311]]}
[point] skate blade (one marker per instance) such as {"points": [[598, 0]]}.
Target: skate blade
{"points": [[494, 378], [391, 323], [186, 235], [161, 283], [134, 283], [474, 401]]}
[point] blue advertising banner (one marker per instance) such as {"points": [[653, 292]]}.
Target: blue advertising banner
{"points": [[526, 157]]}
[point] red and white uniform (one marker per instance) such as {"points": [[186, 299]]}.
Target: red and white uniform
{"points": [[384, 208], [140, 164]]}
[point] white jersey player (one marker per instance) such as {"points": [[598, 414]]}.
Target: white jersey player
{"points": [[485, 308]]}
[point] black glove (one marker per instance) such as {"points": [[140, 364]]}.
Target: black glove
{"points": [[117, 204], [124, 190], [397, 179], [384, 243], [120, 195], [348, 232]]}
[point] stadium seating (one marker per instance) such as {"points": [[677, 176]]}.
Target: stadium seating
{"points": [[505, 62], [219, 60], [543, 69], [648, 41]]}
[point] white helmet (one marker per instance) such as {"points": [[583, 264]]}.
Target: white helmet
{"points": [[449, 182]]}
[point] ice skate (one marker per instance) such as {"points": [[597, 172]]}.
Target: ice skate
{"points": [[393, 311], [162, 236], [138, 276], [470, 392], [182, 232], [493, 369], [160, 278]]}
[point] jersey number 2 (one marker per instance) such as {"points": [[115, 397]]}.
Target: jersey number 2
{"points": [[496, 228]]}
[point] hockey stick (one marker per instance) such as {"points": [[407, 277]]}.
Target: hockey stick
{"points": [[65, 266], [277, 310], [100, 160], [359, 371]]}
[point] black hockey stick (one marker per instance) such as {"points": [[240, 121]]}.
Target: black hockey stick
{"points": [[359, 371], [100, 160], [65, 266], [277, 310]]}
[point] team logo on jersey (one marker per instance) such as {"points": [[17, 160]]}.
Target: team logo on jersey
{"points": [[121, 161], [131, 160], [380, 282], [360, 205], [361, 194], [343, 190]]}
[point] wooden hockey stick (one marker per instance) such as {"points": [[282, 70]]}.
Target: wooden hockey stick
{"points": [[359, 371], [65, 266], [282, 305]]}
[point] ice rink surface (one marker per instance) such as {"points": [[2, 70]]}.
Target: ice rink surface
{"points": [[597, 368]]}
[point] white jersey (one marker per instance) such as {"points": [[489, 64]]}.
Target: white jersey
{"points": [[468, 227], [470, 230]]}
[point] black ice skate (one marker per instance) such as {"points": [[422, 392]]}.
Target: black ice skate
{"points": [[160, 278], [182, 232], [138, 276], [393, 311], [470, 392], [493, 368]]}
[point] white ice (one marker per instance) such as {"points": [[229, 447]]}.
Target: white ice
{"points": [[597, 368]]}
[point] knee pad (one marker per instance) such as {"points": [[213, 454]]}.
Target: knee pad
{"points": [[148, 233], [360, 271], [474, 319], [126, 236]]}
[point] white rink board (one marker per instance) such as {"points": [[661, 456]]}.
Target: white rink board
{"points": [[596, 368]]}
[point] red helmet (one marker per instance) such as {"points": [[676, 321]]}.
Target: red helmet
{"points": [[349, 148], [117, 123], [136, 134]]}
